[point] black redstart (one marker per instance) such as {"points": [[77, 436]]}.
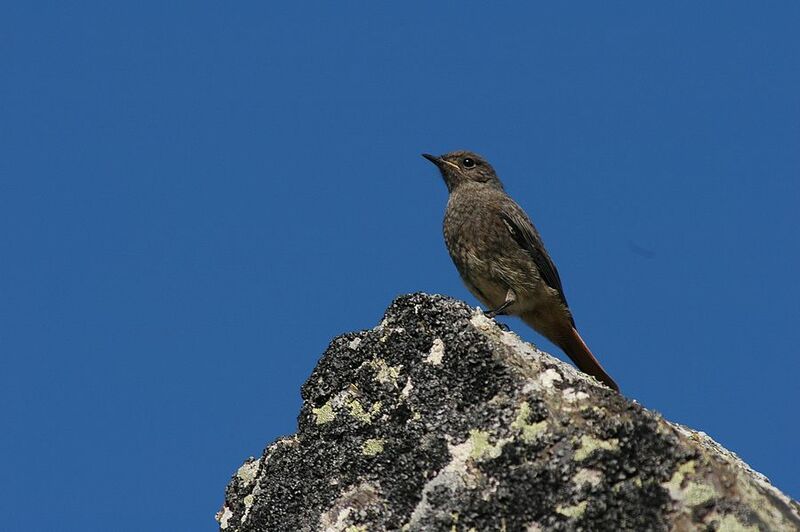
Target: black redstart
{"points": [[502, 259]]}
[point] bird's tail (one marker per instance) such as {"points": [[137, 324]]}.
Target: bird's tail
{"points": [[573, 345]]}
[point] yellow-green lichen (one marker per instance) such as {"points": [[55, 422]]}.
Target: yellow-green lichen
{"points": [[372, 447], [574, 511], [590, 444], [481, 448], [454, 526], [384, 373], [687, 468], [248, 500], [529, 430], [358, 412], [697, 494], [625, 485], [356, 528], [324, 414], [694, 493]]}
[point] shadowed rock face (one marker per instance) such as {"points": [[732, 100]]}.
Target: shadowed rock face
{"points": [[439, 420]]}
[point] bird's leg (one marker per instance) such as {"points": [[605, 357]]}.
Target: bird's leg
{"points": [[511, 298]]}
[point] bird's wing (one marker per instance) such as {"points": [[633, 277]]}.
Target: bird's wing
{"points": [[526, 236]]}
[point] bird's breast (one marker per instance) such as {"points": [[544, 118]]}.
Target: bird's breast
{"points": [[488, 257]]}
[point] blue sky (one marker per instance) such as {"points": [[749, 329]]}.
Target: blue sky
{"points": [[196, 197]]}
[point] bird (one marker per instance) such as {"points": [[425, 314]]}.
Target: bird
{"points": [[501, 257]]}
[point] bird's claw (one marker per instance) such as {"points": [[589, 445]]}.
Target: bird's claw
{"points": [[492, 315]]}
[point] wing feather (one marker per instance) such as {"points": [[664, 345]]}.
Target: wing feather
{"points": [[526, 236]]}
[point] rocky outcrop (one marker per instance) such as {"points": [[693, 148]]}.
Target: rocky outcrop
{"points": [[438, 419]]}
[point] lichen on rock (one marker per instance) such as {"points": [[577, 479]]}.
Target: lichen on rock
{"points": [[438, 419]]}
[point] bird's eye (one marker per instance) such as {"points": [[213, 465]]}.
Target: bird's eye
{"points": [[468, 163]]}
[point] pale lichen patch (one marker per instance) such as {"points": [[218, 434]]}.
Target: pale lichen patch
{"points": [[354, 343], [454, 526], [373, 446], [573, 396], [548, 377], [357, 410], [406, 391], [248, 503], [437, 353], [348, 506], [674, 484], [384, 373], [691, 493], [697, 494], [324, 414], [459, 454], [530, 431], [481, 322], [454, 475], [590, 444], [223, 516], [574, 511], [341, 520], [248, 500], [247, 473], [481, 448], [593, 477]]}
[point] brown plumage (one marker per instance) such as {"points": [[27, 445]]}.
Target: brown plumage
{"points": [[501, 257]]}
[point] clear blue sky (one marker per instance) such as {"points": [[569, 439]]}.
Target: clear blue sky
{"points": [[195, 197]]}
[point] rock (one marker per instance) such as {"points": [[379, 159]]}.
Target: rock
{"points": [[437, 419]]}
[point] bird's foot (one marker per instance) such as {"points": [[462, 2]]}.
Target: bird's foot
{"points": [[492, 314], [501, 310]]}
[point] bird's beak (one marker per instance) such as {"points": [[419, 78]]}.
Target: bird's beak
{"points": [[438, 161], [432, 158]]}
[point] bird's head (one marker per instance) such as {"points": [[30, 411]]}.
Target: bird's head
{"points": [[459, 167]]}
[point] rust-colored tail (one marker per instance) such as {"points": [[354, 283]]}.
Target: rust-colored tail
{"points": [[560, 329], [563, 334], [574, 346]]}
